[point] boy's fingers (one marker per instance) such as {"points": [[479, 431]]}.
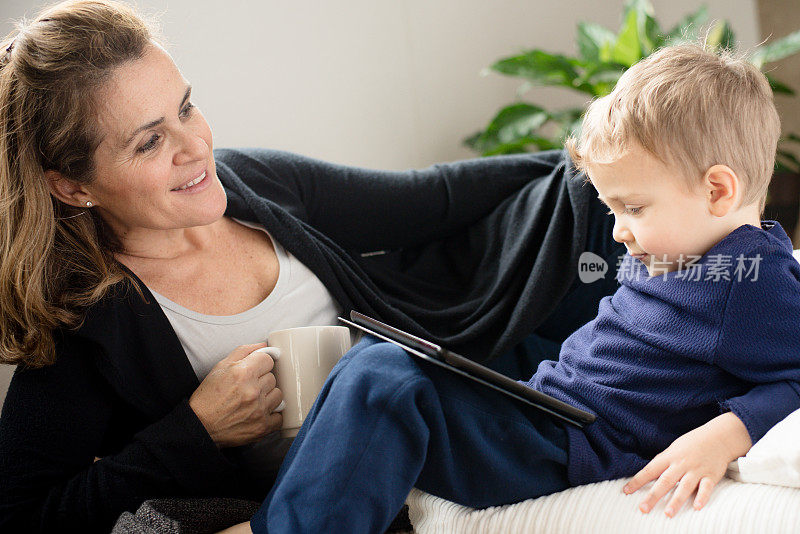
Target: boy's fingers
{"points": [[648, 473], [704, 492], [684, 490], [665, 482]]}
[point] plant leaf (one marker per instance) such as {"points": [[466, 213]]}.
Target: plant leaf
{"points": [[650, 35], [720, 37], [570, 122], [593, 39], [473, 141], [511, 123], [787, 160], [540, 67], [517, 120], [627, 50], [792, 137], [783, 47], [522, 144], [779, 87], [600, 78], [647, 28]]}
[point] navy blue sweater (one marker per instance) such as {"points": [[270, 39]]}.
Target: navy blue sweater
{"points": [[667, 353]]}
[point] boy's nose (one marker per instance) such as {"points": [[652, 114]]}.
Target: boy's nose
{"points": [[621, 234]]}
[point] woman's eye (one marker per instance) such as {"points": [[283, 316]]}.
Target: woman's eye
{"points": [[150, 145], [153, 142], [633, 211]]}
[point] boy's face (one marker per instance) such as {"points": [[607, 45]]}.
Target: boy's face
{"points": [[659, 221]]}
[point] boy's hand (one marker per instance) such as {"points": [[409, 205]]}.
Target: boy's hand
{"points": [[696, 460]]}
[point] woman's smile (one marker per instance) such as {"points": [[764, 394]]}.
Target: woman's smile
{"points": [[194, 186]]}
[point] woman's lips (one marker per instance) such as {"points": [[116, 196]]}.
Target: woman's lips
{"points": [[196, 187]]}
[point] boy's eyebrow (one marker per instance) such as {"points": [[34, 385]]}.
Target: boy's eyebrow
{"points": [[156, 122], [622, 198]]}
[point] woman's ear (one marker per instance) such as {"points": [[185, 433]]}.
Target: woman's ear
{"points": [[66, 190], [721, 188]]}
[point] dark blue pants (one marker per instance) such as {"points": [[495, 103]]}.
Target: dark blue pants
{"points": [[386, 421]]}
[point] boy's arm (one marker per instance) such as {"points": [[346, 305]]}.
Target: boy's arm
{"points": [[759, 343]]}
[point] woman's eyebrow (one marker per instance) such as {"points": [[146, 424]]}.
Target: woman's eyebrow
{"points": [[156, 122]]}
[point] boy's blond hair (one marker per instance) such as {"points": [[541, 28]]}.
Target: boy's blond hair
{"points": [[691, 109]]}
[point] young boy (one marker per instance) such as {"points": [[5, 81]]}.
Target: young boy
{"points": [[708, 315], [697, 354]]}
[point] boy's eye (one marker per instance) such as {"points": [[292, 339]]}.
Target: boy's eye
{"points": [[630, 211]]}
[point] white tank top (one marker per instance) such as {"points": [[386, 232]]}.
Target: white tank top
{"points": [[298, 299]]}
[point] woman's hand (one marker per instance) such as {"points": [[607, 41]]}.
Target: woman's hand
{"points": [[237, 400], [698, 459]]}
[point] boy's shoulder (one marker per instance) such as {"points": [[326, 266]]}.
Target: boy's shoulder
{"points": [[769, 237], [749, 260], [747, 249]]}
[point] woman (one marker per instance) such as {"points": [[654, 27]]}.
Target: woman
{"points": [[140, 271]]}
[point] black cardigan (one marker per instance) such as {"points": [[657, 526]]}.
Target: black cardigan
{"points": [[477, 254]]}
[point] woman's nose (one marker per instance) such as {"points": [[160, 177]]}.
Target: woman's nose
{"points": [[192, 148]]}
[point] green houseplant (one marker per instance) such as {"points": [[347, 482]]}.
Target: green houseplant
{"points": [[603, 56]]}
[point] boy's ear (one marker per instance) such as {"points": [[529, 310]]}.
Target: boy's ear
{"points": [[721, 189], [65, 190]]}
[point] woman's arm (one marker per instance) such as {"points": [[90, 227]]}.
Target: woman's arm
{"points": [[371, 209], [53, 425]]}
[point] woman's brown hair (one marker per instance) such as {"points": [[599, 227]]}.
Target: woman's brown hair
{"points": [[56, 260]]}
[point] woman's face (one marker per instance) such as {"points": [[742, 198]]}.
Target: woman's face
{"points": [[154, 142]]}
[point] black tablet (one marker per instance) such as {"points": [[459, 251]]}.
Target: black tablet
{"points": [[465, 367]]}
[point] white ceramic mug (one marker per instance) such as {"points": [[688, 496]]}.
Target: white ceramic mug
{"points": [[308, 355]]}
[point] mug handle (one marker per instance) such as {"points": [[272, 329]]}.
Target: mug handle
{"points": [[275, 353]]}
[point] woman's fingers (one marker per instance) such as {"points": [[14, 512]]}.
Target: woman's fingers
{"points": [[262, 360], [273, 399], [267, 382], [242, 351], [684, 490], [707, 485], [274, 422]]}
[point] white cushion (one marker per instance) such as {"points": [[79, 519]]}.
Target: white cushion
{"points": [[734, 507], [775, 458]]}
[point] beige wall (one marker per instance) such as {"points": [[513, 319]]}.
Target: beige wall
{"points": [[5, 378], [375, 83]]}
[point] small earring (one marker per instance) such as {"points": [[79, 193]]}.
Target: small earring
{"points": [[88, 204]]}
